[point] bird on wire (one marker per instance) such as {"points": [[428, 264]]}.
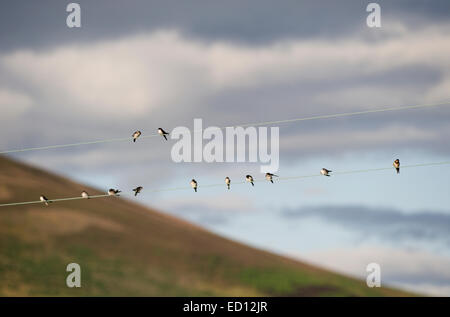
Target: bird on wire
{"points": [[44, 200], [325, 172], [113, 192], [194, 184], [163, 133], [249, 179], [137, 190], [397, 165], [269, 177], [228, 182], [136, 135]]}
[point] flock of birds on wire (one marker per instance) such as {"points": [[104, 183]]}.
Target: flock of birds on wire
{"points": [[194, 185]]}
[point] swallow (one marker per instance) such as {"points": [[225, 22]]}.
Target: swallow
{"points": [[137, 190], [163, 133], [249, 179], [136, 135], [113, 192], [194, 184], [397, 165], [84, 194], [269, 177], [227, 181], [325, 172], [44, 199]]}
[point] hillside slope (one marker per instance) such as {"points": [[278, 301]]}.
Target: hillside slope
{"points": [[125, 249]]}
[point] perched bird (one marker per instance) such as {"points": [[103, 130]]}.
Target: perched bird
{"points": [[227, 181], [163, 133], [113, 192], [136, 135], [269, 177], [84, 194], [137, 190], [397, 165], [44, 199], [325, 172], [249, 178], [194, 184]]}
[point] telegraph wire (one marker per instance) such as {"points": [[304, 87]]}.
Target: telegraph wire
{"points": [[286, 178], [316, 117]]}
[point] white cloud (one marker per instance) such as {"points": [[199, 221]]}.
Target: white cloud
{"points": [[220, 204], [363, 138], [212, 210], [13, 103], [426, 288], [415, 270], [441, 90], [138, 74], [365, 97]]}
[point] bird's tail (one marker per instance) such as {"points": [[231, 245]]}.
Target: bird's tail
{"points": [[253, 184], [228, 185], [165, 137], [271, 181], [327, 175], [134, 140], [195, 189], [135, 194], [398, 170]]}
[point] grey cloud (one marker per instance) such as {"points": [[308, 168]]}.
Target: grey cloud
{"points": [[384, 223], [42, 23]]}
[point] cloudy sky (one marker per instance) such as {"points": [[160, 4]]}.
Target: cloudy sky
{"points": [[151, 64]]}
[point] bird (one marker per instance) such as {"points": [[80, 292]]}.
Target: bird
{"points": [[163, 133], [397, 165], [84, 194], [137, 190], [325, 172], [113, 192], [249, 178], [194, 184], [269, 177], [44, 199], [136, 135], [227, 181]]}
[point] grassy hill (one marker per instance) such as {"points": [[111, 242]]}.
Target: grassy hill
{"points": [[125, 249]]}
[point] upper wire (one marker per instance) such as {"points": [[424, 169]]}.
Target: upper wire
{"points": [[316, 117]]}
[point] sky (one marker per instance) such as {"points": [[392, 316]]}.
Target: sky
{"points": [[151, 64]]}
